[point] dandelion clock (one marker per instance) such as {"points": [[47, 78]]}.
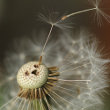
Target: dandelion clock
{"points": [[67, 73]]}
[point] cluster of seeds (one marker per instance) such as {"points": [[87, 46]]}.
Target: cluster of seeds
{"points": [[36, 80]]}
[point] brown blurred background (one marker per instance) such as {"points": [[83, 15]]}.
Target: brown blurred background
{"points": [[19, 18]]}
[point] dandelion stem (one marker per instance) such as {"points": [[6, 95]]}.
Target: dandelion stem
{"points": [[75, 80], [65, 92], [47, 39], [78, 12], [49, 106], [20, 104], [74, 68], [64, 88], [62, 98], [55, 101], [28, 106], [23, 104]]}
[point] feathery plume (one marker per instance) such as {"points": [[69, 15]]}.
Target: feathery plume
{"points": [[99, 12]]}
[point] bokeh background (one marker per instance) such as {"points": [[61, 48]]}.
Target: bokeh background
{"points": [[19, 18]]}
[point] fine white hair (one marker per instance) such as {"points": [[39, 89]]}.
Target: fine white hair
{"points": [[78, 58]]}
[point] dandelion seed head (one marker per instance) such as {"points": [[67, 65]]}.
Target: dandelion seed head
{"points": [[32, 75]]}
